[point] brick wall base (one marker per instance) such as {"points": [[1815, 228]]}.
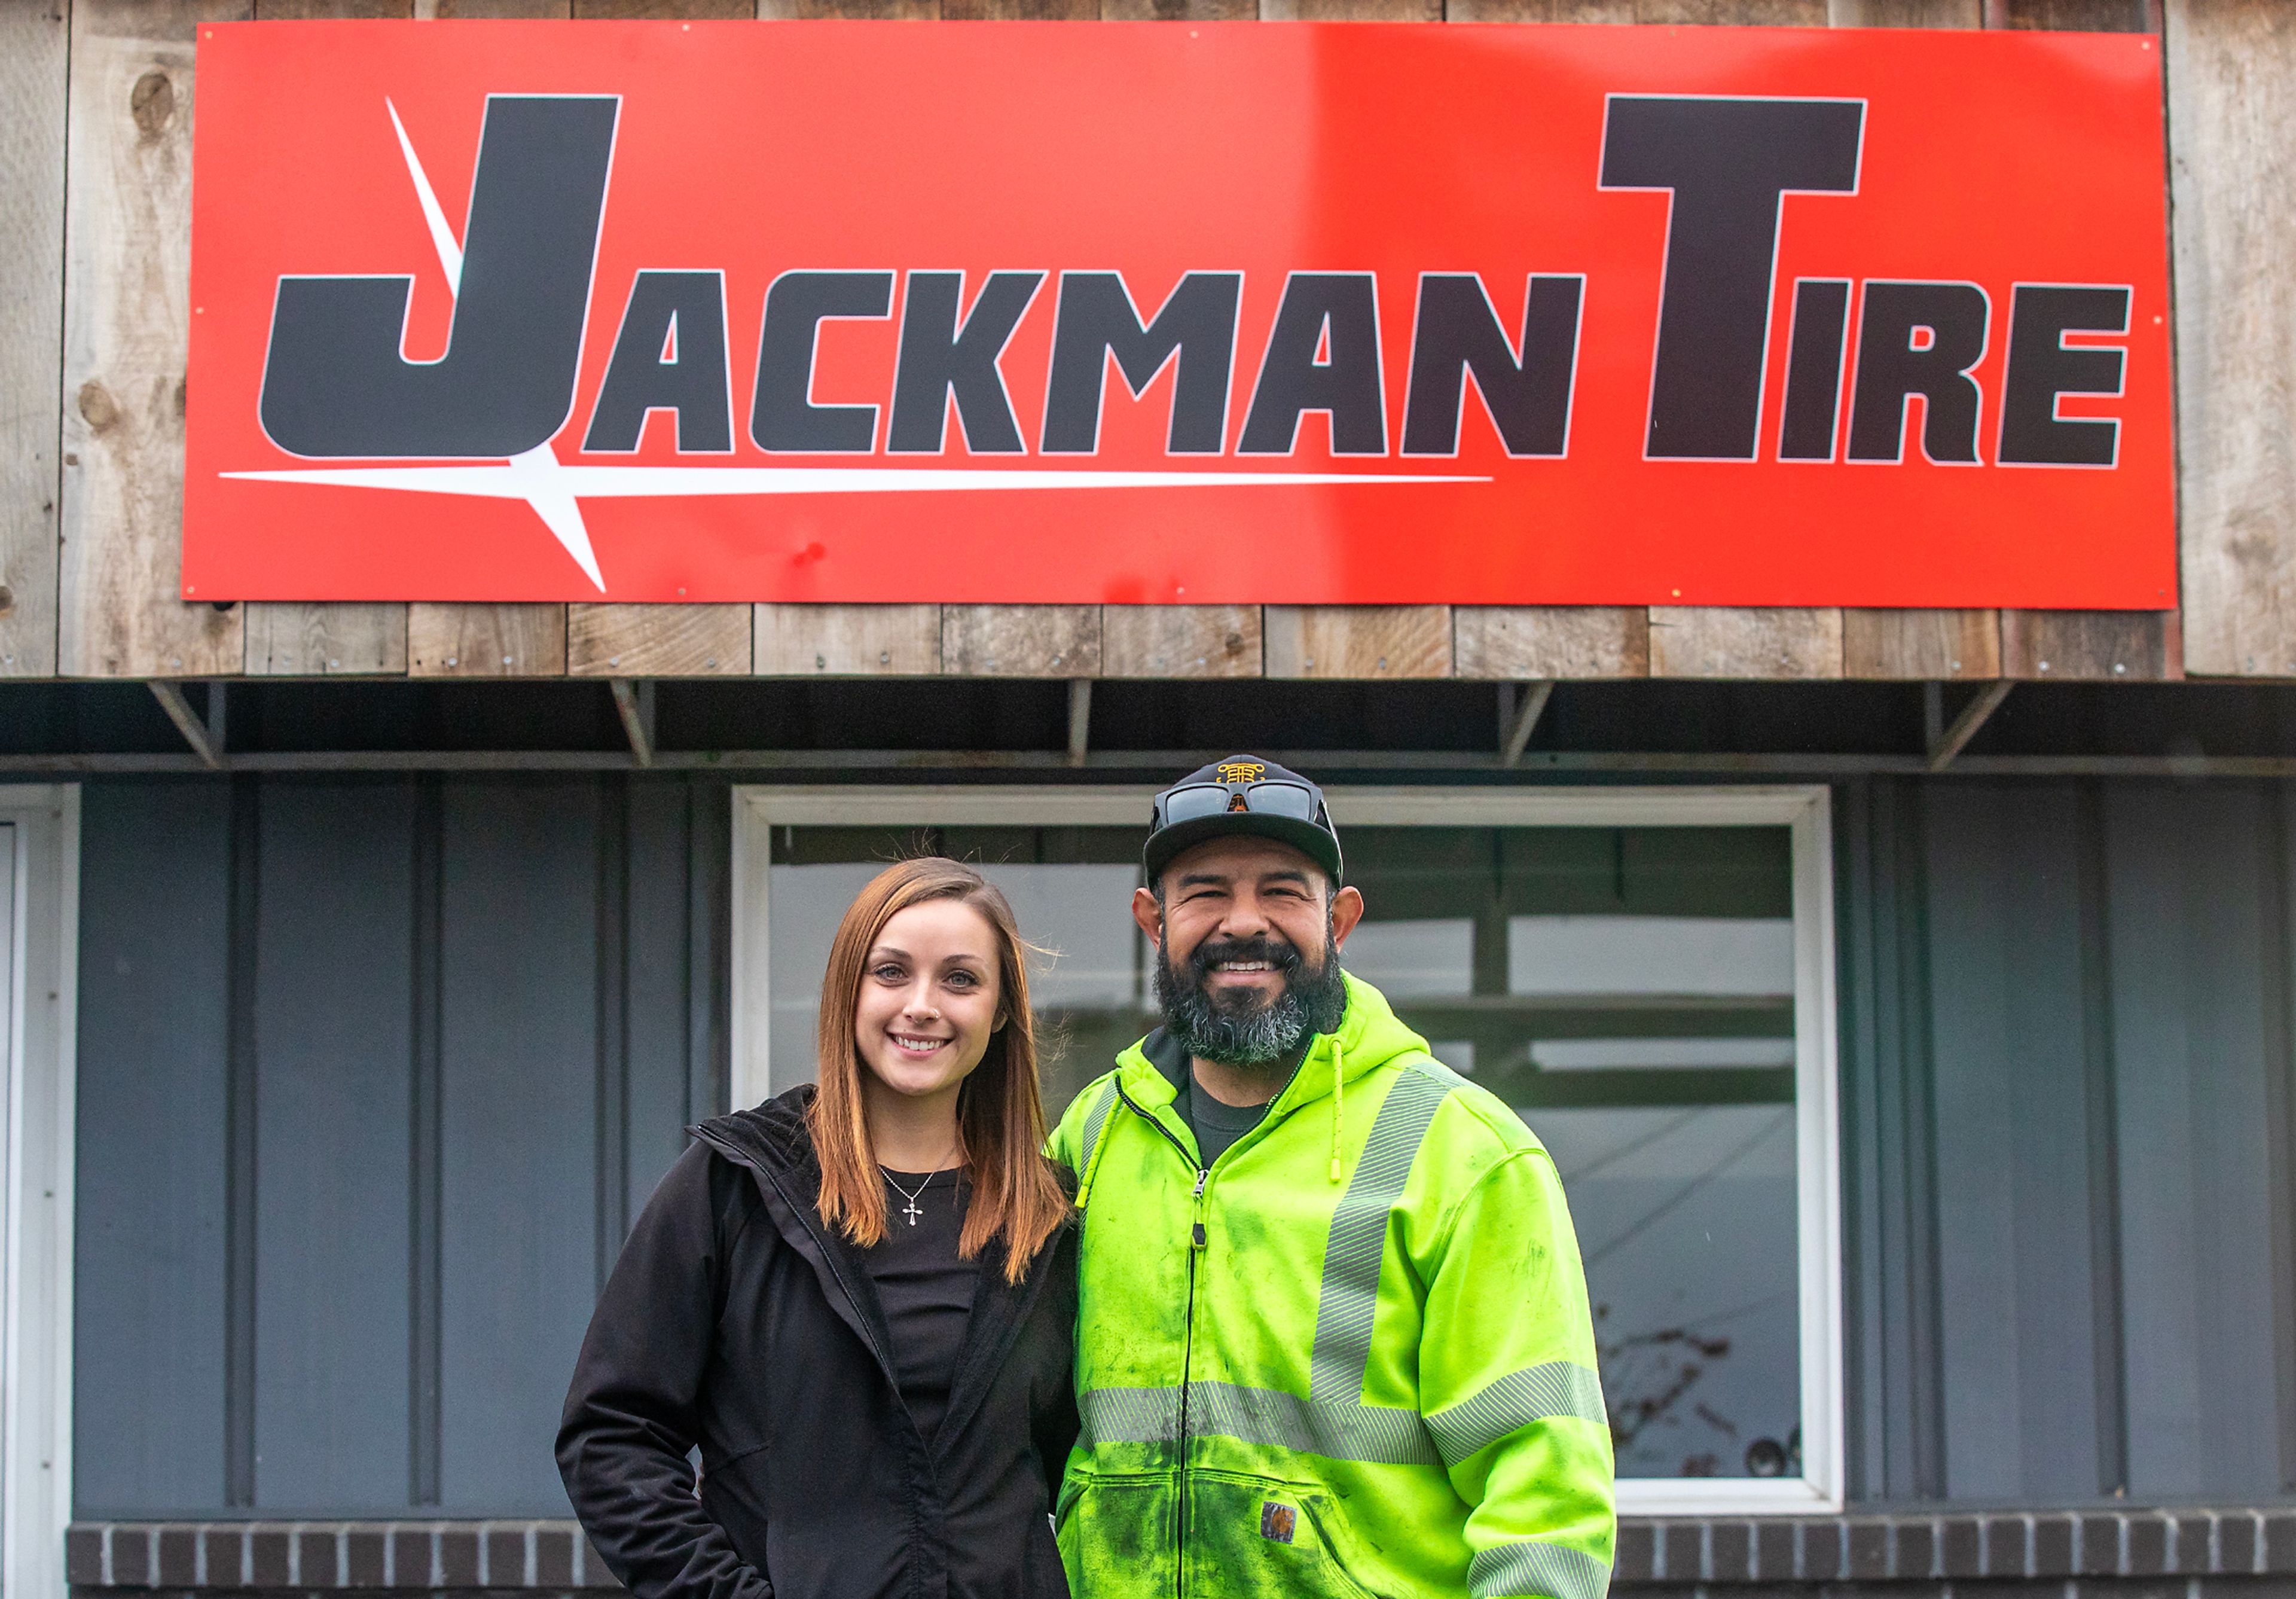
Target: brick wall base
{"points": [[2183, 1553]]}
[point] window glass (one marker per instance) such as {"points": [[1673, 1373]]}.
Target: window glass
{"points": [[1629, 991]]}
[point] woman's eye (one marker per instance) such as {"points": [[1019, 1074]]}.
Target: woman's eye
{"points": [[888, 974], [962, 980]]}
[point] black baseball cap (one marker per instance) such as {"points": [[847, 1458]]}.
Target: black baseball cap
{"points": [[1243, 794]]}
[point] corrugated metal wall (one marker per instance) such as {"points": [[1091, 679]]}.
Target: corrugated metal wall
{"points": [[372, 1074], [2068, 1139]]}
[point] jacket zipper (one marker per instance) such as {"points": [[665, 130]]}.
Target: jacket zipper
{"points": [[1196, 1241]]}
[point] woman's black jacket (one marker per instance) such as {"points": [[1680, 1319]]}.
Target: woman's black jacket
{"points": [[736, 1321]]}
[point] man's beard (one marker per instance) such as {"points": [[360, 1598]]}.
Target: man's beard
{"points": [[1238, 1028]]}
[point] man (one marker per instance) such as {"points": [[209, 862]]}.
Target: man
{"points": [[1335, 1337]]}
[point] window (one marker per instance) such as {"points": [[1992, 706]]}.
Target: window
{"points": [[1644, 974]]}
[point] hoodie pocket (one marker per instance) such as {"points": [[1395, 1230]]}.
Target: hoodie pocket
{"points": [[1116, 1534], [1262, 1538]]}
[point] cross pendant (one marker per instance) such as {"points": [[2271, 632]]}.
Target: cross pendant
{"points": [[911, 1212]]}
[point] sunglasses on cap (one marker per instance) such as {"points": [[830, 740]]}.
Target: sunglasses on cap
{"points": [[1273, 798]]}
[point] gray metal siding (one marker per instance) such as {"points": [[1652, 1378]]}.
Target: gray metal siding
{"points": [[2196, 880], [333, 1026], [2067, 1128], [151, 1228], [373, 1076]]}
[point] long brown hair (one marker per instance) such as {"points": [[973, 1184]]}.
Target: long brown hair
{"points": [[1000, 1117]]}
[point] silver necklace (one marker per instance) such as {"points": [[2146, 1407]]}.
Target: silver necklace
{"points": [[910, 1210]]}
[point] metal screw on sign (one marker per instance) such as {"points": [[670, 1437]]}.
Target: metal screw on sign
{"points": [[821, 663], [711, 664], [884, 657], [2045, 666], [1382, 663], [505, 660], [451, 660]]}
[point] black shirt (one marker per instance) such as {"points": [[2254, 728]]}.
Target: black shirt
{"points": [[1215, 1124], [926, 1290]]}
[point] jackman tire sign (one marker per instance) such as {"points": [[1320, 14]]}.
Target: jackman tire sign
{"points": [[1174, 312]]}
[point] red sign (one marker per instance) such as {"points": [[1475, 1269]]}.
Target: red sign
{"points": [[662, 311]]}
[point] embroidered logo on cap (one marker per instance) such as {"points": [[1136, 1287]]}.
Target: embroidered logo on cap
{"points": [[1242, 771], [1277, 1522]]}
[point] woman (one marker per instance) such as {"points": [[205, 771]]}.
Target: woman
{"points": [[858, 1303]]}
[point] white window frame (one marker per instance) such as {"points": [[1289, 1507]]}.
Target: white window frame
{"points": [[1804, 809], [35, 1493]]}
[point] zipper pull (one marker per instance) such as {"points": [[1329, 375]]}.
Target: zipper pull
{"points": [[1196, 1234]]}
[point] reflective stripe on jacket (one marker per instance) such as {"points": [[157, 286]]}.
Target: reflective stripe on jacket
{"points": [[1352, 1358]]}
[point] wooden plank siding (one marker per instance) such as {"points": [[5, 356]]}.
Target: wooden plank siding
{"points": [[127, 334], [34, 56], [90, 532], [2231, 122]]}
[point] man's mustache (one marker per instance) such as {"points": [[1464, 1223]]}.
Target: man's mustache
{"points": [[1279, 952]]}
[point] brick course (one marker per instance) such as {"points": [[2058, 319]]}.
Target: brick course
{"points": [[2043, 1554]]}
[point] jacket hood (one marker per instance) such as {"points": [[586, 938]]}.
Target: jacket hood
{"points": [[772, 1137]]}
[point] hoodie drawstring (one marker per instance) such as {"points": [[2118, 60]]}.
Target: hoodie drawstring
{"points": [[1339, 1088]]}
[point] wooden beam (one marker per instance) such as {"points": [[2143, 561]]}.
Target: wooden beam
{"points": [[1523, 717], [657, 641], [34, 60], [846, 641], [634, 703], [1180, 640], [1358, 641], [1745, 642], [345, 638], [122, 608], [1080, 719], [1945, 745], [1021, 641], [1512, 643], [204, 736], [2232, 110]]}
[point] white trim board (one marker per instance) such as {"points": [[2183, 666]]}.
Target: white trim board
{"points": [[43, 826], [1806, 809]]}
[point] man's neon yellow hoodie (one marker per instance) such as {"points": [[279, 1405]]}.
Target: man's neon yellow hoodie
{"points": [[1352, 1358]]}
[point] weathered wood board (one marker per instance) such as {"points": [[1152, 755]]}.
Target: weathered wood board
{"points": [[846, 641], [1021, 641], [1523, 643], [2232, 119], [1930, 644], [1358, 641], [1750, 642], [2092, 646], [126, 332], [657, 641], [485, 641], [1180, 640], [33, 61], [345, 639]]}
